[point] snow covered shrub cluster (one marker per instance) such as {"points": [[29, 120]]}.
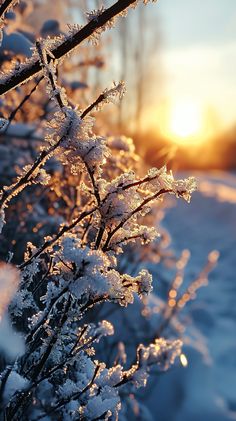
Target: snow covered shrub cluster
{"points": [[100, 206]]}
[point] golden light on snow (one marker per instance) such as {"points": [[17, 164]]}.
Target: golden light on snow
{"points": [[185, 122], [183, 360]]}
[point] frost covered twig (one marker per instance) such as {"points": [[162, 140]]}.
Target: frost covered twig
{"points": [[6, 5], [66, 45], [117, 90], [23, 101], [138, 209], [68, 275], [176, 300], [51, 242], [8, 193], [49, 73]]}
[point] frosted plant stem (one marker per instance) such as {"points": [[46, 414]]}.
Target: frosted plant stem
{"points": [[50, 243], [74, 396], [138, 209], [5, 6], [66, 46], [9, 193], [24, 100]]}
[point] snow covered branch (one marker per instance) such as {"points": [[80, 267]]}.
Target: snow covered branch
{"points": [[6, 5], [65, 46]]}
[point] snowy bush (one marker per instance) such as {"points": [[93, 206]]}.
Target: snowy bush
{"points": [[88, 203]]}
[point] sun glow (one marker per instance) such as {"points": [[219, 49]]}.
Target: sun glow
{"points": [[185, 122]]}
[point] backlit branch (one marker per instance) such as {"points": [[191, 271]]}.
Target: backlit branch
{"points": [[5, 6], [67, 45]]}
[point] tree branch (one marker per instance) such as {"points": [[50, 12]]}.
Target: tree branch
{"points": [[5, 6], [138, 209], [23, 101], [26, 72], [50, 243]]}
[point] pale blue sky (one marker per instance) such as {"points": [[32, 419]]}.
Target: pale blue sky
{"points": [[194, 22], [198, 53]]}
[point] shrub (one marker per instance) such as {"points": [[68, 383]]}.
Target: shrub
{"points": [[87, 206]]}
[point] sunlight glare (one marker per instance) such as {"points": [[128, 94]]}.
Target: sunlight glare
{"points": [[185, 121]]}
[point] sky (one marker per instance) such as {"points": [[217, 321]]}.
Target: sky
{"points": [[198, 54], [192, 62]]}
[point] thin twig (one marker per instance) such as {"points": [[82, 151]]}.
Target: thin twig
{"points": [[26, 72], [50, 243], [94, 104], [44, 277], [24, 100], [75, 396], [138, 209], [49, 72], [28, 177], [5, 6]]}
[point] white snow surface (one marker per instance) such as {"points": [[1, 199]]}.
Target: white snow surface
{"points": [[206, 389]]}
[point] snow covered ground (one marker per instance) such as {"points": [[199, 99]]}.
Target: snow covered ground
{"points": [[206, 389]]}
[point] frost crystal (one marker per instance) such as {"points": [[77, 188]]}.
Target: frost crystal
{"points": [[15, 383], [105, 328], [118, 90], [161, 353]]}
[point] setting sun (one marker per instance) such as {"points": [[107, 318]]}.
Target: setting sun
{"points": [[185, 121]]}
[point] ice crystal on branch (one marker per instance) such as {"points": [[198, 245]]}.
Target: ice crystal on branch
{"points": [[93, 275], [94, 14], [118, 90], [161, 353]]}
